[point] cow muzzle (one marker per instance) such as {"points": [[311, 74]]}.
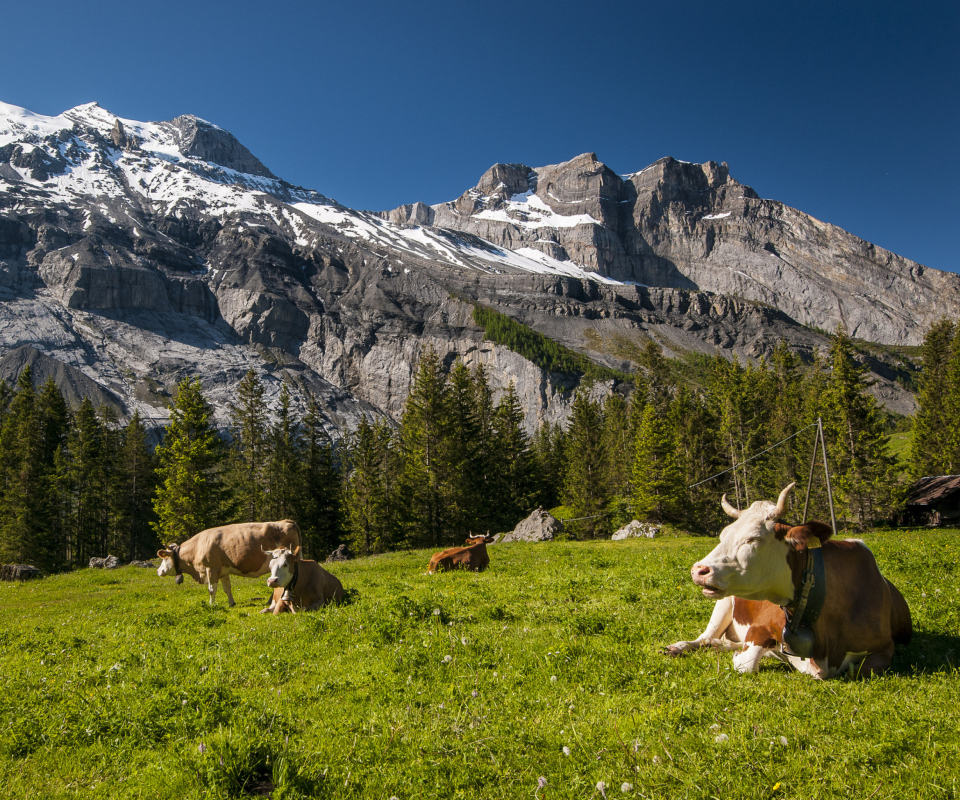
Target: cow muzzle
{"points": [[272, 582], [703, 576]]}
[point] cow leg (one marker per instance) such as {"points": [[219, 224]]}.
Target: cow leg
{"points": [[212, 585], [225, 580], [749, 659], [872, 664], [720, 621]]}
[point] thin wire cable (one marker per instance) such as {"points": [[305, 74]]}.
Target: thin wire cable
{"points": [[755, 455]]}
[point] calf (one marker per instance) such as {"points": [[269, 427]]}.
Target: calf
{"points": [[299, 583], [824, 614], [473, 557], [217, 553]]}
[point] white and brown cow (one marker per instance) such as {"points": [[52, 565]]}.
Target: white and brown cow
{"points": [[299, 583], [756, 572], [473, 557], [217, 553]]}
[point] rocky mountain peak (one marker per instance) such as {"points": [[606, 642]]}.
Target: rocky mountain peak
{"points": [[507, 180], [197, 137]]}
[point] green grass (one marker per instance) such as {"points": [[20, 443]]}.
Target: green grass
{"points": [[462, 686]]}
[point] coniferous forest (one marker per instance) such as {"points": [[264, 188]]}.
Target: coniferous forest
{"points": [[74, 483]]}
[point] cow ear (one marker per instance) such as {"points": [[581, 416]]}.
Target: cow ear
{"points": [[798, 536], [163, 554]]}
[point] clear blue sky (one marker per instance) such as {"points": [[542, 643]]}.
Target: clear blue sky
{"points": [[849, 111]]}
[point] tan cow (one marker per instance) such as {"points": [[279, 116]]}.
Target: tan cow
{"points": [[473, 557], [217, 553], [760, 573], [299, 583]]}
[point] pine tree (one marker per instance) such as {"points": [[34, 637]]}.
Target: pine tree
{"points": [[133, 491], [548, 448], [80, 477], [371, 516], [282, 457], [865, 472], [617, 444], [929, 451], [698, 453], [514, 485], [319, 508], [190, 497], [466, 458], [658, 487], [585, 489], [425, 442], [248, 451], [947, 444]]}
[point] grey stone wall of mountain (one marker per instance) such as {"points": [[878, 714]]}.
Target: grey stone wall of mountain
{"points": [[134, 254], [692, 226]]}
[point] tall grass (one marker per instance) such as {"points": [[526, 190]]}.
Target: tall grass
{"points": [[462, 685]]}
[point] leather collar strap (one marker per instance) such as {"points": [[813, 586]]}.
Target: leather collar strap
{"points": [[293, 581], [805, 610], [175, 552]]}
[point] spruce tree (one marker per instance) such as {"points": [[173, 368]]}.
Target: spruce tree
{"points": [[585, 489], [190, 496], [282, 456], [248, 450], [427, 468], [548, 449], [658, 487], [133, 491], [932, 424], [866, 474], [514, 485], [371, 516], [319, 508]]}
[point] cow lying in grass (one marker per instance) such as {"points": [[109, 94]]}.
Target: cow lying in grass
{"points": [[299, 584], [473, 557], [824, 614], [217, 553]]}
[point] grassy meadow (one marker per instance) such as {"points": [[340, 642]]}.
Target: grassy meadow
{"points": [[547, 666]]}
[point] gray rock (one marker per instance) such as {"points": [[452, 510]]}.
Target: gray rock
{"points": [[143, 564], [342, 553], [110, 562], [540, 526], [19, 572], [636, 529]]}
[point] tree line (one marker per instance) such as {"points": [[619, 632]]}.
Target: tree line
{"points": [[75, 483]]}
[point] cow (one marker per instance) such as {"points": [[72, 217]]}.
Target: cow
{"points": [[473, 557], [825, 615], [217, 553], [299, 583]]}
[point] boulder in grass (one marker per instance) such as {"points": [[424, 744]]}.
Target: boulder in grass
{"points": [[637, 529], [540, 526], [19, 572], [110, 562], [144, 564], [342, 553]]}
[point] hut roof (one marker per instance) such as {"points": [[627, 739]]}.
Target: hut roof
{"points": [[931, 490]]}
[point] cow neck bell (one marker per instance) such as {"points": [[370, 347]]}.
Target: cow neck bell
{"points": [[798, 636]]}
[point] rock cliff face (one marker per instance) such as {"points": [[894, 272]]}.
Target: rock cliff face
{"points": [[135, 254], [694, 227]]}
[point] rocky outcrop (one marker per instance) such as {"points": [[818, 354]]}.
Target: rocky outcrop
{"points": [[197, 137], [540, 526], [110, 562], [636, 530], [19, 572], [692, 226]]}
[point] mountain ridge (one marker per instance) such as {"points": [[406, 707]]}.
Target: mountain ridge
{"points": [[135, 264]]}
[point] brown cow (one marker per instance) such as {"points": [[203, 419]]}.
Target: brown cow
{"points": [[299, 583], [216, 553], [757, 573], [473, 557]]}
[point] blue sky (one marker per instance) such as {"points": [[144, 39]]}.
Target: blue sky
{"points": [[849, 111]]}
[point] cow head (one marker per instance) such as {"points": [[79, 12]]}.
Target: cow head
{"points": [[488, 539], [168, 565], [751, 559], [283, 563]]}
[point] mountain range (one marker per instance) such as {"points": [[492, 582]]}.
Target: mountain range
{"points": [[134, 254]]}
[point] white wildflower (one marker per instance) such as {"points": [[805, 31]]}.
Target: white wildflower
{"points": [[721, 738], [626, 787], [566, 751]]}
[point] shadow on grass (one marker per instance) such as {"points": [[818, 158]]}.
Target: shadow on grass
{"points": [[926, 653]]}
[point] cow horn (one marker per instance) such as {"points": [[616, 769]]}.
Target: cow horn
{"points": [[731, 511], [782, 501]]}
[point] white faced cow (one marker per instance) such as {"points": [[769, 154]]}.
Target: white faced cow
{"points": [[299, 583], [847, 618], [217, 553]]}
